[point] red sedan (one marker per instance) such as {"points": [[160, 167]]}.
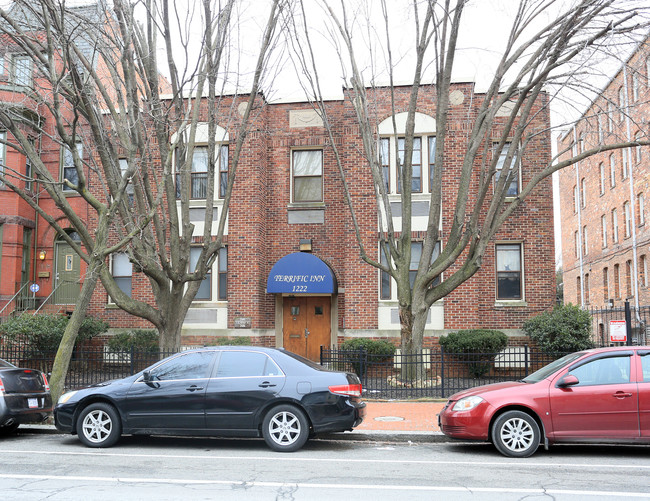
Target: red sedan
{"points": [[600, 395]]}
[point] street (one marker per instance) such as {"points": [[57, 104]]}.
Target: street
{"points": [[57, 467]]}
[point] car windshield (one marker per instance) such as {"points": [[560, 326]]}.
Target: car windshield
{"points": [[549, 369]]}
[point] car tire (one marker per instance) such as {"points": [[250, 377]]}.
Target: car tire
{"points": [[8, 429], [285, 428], [99, 425], [516, 434]]}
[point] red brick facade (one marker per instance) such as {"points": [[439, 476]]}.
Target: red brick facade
{"points": [[592, 198]]}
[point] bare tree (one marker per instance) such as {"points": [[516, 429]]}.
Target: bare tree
{"points": [[544, 55], [97, 83]]}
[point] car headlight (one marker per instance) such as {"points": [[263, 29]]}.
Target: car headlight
{"points": [[66, 396], [467, 403]]}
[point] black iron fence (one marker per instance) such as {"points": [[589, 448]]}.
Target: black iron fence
{"points": [[602, 324], [434, 373], [88, 365]]}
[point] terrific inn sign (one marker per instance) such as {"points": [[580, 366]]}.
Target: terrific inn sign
{"points": [[301, 272]]}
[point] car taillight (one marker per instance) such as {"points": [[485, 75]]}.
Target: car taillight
{"points": [[352, 390], [2, 387], [45, 383]]}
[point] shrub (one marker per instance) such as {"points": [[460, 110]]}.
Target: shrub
{"points": [[43, 333], [478, 347], [378, 351], [564, 329], [231, 341], [139, 339]]}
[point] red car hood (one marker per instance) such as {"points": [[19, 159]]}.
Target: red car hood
{"points": [[486, 388]]}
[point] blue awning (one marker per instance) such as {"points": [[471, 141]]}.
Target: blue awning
{"points": [[301, 273]]}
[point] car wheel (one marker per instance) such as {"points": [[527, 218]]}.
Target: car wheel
{"points": [[8, 429], [516, 434], [285, 428], [99, 425]]}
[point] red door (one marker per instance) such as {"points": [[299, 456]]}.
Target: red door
{"points": [[604, 403], [644, 392]]}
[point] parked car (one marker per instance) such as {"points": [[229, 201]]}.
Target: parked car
{"points": [[600, 395], [238, 391], [24, 397]]}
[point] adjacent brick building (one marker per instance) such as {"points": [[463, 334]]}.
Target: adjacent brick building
{"points": [[605, 238]]}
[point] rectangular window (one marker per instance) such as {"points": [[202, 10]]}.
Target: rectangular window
{"points": [[384, 292], [69, 170], [583, 192], [223, 170], [578, 290], [576, 241], [635, 86], [205, 289], [384, 160], [603, 225], [432, 160], [416, 161], [615, 226], [586, 288], [509, 276], [308, 176], [617, 282], [605, 284], [602, 178], [637, 149], [625, 167], [641, 206], [223, 274], [199, 173], [28, 171], [601, 128], [628, 221], [22, 71], [122, 271], [513, 188], [610, 116], [585, 243], [612, 170]]}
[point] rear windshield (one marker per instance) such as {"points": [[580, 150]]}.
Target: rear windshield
{"points": [[306, 361], [6, 365], [549, 369]]}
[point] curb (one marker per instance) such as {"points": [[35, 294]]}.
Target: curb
{"points": [[348, 436]]}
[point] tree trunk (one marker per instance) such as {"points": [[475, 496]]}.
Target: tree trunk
{"points": [[64, 353]]}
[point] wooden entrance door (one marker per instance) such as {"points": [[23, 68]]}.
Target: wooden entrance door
{"points": [[306, 325], [68, 270]]}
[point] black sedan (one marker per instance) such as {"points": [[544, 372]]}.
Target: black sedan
{"points": [[24, 397], [238, 391]]}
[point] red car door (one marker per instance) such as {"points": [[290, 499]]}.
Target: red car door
{"points": [[644, 392], [603, 404]]}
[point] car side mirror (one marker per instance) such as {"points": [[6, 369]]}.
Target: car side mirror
{"points": [[146, 376], [568, 380]]}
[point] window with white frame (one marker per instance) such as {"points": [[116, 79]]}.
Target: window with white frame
{"points": [[513, 187], [432, 160], [641, 207], [602, 178], [612, 170], [387, 285], [614, 226], [22, 71], [122, 271], [576, 242], [603, 225], [416, 163], [307, 175], [509, 272], [635, 86], [384, 160], [628, 220], [621, 103], [28, 170], [68, 168], [625, 167], [209, 290], [610, 116], [199, 173], [124, 165], [601, 128], [585, 241], [637, 148], [583, 192]]}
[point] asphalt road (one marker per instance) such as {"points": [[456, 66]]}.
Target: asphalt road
{"points": [[57, 467]]}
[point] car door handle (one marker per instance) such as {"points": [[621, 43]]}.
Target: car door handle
{"points": [[266, 384], [621, 394], [194, 388]]}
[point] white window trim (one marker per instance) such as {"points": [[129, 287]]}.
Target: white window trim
{"points": [[214, 285], [110, 301], [307, 203], [511, 302]]}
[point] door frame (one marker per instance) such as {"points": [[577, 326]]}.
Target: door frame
{"points": [[279, 317]]}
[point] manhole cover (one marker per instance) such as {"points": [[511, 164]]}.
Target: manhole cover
{"points": [[389, 418]]}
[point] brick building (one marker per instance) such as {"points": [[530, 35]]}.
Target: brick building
{"points": [[290, 274], [605, 238]]}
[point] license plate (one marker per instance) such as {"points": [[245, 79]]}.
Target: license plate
{"points": [[32, 403]]}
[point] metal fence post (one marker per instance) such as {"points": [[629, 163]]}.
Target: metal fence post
{"points": [[526, 360], [131, 359], [442, 372]]}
